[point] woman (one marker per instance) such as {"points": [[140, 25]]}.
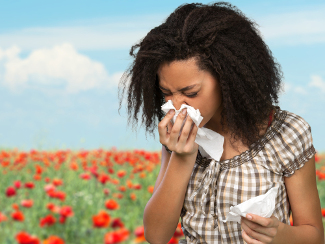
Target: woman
{"points": [[212, 58]]}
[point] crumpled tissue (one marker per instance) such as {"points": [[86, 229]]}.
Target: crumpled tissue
{"points": [[262, 205], [210, 142]]}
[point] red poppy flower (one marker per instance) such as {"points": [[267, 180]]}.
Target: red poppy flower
{"points": [[101, 220], [18, 216], [116, 236], [118, 195], [117, 223], [47, 221], [150, 189], [178, 231], [133, 196], [15, 206], [115, 181], [129, 184], [103, 178], [111, 204], [139, 233], [291, 220], [143, 175], [137, 186], [49, 187], [11, 191], [39, 169], [27, 203], [173, 240], [74, 166], [62, 219], [93, 171], [54, 209], [122, 188], [106, 191], [317, 158], [24, 238], [57, 182], [37, 177], [53, 240], [85, 176], [50, 206], [2, 217], [121, 173], [321, 176], [17, 184], [66, 211], [29, 185], [47, 179], [57, 194]]}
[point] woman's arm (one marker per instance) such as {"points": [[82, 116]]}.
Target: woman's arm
{"points": [[306, 213], [165, 157], [306, 210], [161, 214]]}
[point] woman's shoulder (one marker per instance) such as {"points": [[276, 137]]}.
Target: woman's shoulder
{"points": [[291, 123], [294, 141], [297, 120]]}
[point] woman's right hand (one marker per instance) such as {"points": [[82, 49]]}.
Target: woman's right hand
{"points": [[183, 144]]}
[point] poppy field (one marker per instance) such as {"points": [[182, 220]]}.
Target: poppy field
{"points": [[95, 196]]}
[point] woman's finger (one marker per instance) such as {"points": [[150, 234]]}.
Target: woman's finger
{"points": [[185, 131], [169, 126], [192, 134], [252, 233], [162, 126], [174, 133]]}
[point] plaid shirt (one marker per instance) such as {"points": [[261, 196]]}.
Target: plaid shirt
{"points": [[215, 186]]}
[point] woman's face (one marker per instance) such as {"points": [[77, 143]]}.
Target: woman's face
{"points": [[203, 90]]}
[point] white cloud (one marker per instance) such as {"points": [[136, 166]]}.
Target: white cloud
{"points": [[317, 81], [300, 90], [60, 66], [293, 28], [287, 86]]}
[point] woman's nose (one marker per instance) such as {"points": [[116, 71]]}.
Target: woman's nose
{"points": [[177, 102]]}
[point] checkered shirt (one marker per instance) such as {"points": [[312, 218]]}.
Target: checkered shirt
{"points": [[215, 186]]}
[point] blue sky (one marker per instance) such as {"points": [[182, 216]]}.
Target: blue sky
{"points": [[60, 63]]}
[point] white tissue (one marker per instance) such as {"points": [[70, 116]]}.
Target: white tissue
{"points": [[210, 142], [262, 205]]}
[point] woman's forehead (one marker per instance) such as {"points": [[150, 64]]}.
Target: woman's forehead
{"points": [[180, 72]]}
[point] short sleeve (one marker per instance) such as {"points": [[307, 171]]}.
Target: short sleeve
{"points": [[298, 145]]}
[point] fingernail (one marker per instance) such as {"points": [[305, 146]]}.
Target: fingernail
{"points": [[171, 111], [248, 216], [184, 111]]}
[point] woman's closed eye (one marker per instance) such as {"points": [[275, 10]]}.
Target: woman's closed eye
{"points": [[188, 95]]}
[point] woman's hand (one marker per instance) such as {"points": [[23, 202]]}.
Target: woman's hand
{"points": [[259, 230], [182, 144]]}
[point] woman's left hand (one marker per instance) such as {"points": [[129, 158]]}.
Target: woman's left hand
{"points": [[259, 230]]}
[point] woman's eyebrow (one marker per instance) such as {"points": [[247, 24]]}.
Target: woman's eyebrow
{"points": [[182, 89]]}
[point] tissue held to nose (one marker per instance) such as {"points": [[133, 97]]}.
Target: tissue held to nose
{"points": [[210, 142], [192, 112]]}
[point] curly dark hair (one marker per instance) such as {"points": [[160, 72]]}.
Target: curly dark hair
{"points": [[225, 43]]}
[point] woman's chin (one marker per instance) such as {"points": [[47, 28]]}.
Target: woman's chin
{"points": [[201, 125]]}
